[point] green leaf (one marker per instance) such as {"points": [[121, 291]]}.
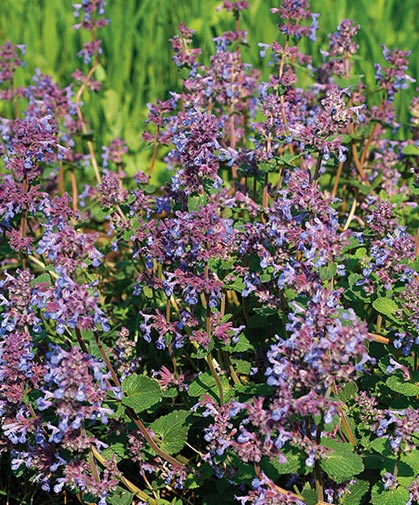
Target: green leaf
{"points": [[348, 391], [42, 279], [117, 449], [382, 446], [381, 496], [411, 150], [412, 459], [195, 202], [398, 385], [172, 430], [294, 464], [327, 272], [385, 306], [243, 344], [342, 464], [141, 392], [120, 497], [309, 495], [356, 492]]}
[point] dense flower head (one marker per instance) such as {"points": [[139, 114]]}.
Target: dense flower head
{"points": [[114, 152], [327, 340], [73, 305], [394, 77], [69, 249], [196, 150], [185, 56], [91, 13], [29, 144], [234, 6], [19, 301], [74, 387], [10, 60], [341, 42], [292, 12]]}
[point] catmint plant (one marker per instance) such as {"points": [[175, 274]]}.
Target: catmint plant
{"points": [[245, 332]]}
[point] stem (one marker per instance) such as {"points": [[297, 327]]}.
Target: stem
{"points": [[128, 484], [265, 197], [396, 464], [208, 358], [154, 157], [379, 338], [358, 164], [61, 179], [130, 412], [318, 471], [214, 373], [351, 215], [338, 174], [367, 145], [318, 167], [348, 432], [170, 347], [74, 190], [379, 323], [273, 485]]}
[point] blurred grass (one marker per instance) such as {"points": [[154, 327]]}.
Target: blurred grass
{"points": [[137, 61]]}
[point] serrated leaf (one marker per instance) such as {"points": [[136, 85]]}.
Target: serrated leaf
{"points": [[172, 430], [356, 492], [140, 392], [120, 497], [381, 496], [195, 202], [412, 459], [243, 344], [117, 449], [294, 464], [382, 446], [348, 391], [398, 385], [327, 272], [342, 464], [42, 279], [385, 306], [204, 384], [411, 150], [309, 495]]}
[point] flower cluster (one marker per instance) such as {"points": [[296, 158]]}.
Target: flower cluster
{"points": [[237, 332]]}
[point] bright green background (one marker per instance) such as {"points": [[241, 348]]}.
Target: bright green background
{"points": [[137, 61]]}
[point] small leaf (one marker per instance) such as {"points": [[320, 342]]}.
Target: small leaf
{"points": [[381, 496], [141, 392], [356, 492], [348, 391], [42, 279], [120, 497], [382, 446], [309, 495], [172, 430], [398, 385], [385, 306], [294, 464], [195, 202], [327, 272], [342, 464], [411, 150], [117, 449], [412, 459]]}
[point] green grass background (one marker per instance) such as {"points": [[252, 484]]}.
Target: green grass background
{"points": [[137, 63]]}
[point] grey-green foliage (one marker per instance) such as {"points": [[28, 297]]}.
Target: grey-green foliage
{"points": [[137, 61]]}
